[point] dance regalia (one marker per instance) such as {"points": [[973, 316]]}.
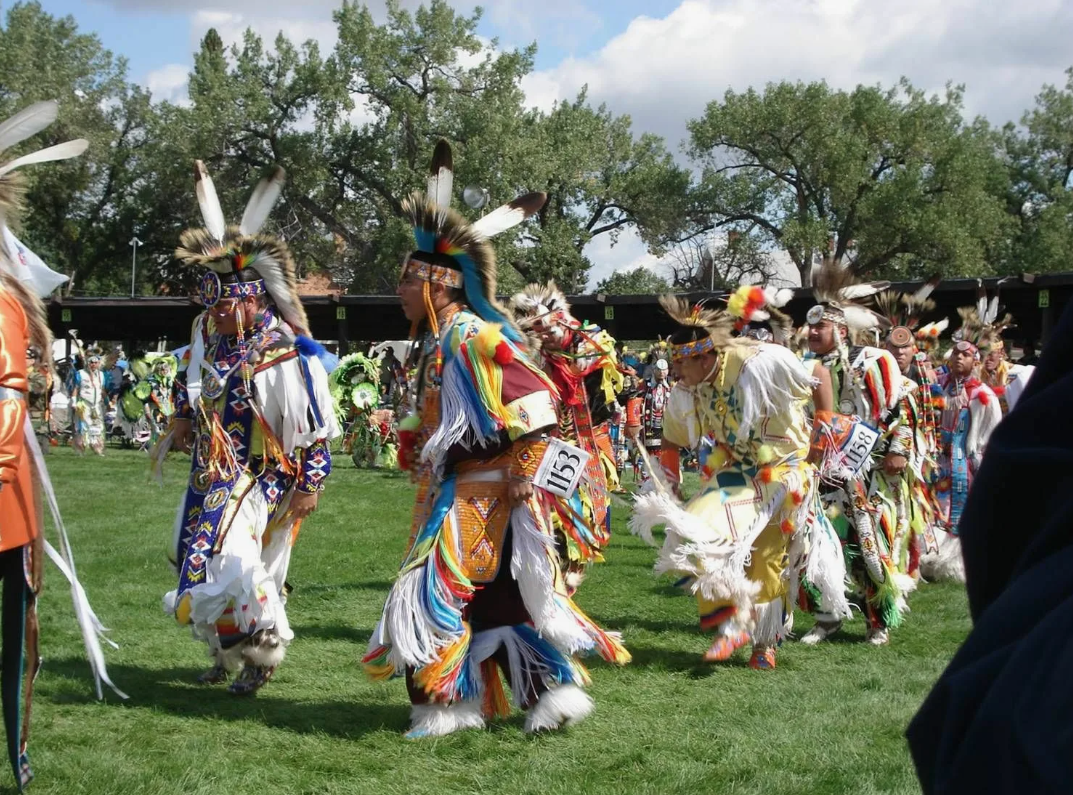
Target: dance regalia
{"points": [[480, 589], [24, 279], [969, 416], [580, 361], [970, 412], [262, 419], [871, 510], [89, 404], [729, 542]]}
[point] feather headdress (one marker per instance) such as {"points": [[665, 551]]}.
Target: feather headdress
{"points": [[453, 251], [757, 307], [980, 323], [838, 295], [229, 250], [710, 329], [23, 273], [541, 310], [903, 311]]}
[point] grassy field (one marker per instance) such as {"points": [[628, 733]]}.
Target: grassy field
{"points": [[830, 719]]}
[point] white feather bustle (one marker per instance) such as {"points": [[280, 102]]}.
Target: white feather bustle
{"points": [[268, 655], [437, 720], [557, 708], [945, 564]]}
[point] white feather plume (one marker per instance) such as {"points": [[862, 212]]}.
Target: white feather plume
{"points": [[441, 180], [211, 211], [63, 151], [262, 201], [992, 311], [855, 291], [781, 298], [981, 300], [509, 215], [28, 121]]}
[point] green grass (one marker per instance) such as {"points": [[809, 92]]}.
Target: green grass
{"points": [[829, 720]]}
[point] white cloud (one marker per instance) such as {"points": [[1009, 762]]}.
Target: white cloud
{"points": [[664, 71], [627, 254], [232, 26], [169, 83]]}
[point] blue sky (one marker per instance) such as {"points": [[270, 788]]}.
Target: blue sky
{"points": [[154, 34], [662, 61]]}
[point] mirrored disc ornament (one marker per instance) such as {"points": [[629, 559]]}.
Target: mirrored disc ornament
{"points": [[815, 315], [210, 289]]}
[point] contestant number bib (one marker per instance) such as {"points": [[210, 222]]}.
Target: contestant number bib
{"points": [[561, 468], [858, 447]]}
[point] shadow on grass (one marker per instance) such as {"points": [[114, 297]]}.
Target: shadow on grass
{"points": [[379, 586], [335, 632], [173, 690]]}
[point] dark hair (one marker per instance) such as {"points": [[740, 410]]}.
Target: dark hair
{"points": [[685, 334]]}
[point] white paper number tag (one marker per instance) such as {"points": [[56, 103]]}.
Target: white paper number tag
{"points": [[561, 468], [858, 447]]}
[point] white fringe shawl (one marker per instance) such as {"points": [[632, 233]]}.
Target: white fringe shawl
{"points": [[692, 547], [460, 419], [283, 399], [534, 565], [771, 382]]}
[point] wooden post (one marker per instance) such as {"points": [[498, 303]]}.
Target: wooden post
{"points": [[340, 318]]}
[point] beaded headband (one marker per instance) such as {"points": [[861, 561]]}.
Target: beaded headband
{"points": [[212, 290], [427, 272], [687, 350], [822, 312]]}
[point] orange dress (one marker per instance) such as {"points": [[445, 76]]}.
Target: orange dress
{"points": [[19, 519]]}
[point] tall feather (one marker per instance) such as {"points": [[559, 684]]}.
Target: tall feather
{"points": [[509, 215], [854, 291], [441, 178], [64, 151], [992, 311], [261, 202], [211, 211], [981, 299], [28, 121], [927, 289]]}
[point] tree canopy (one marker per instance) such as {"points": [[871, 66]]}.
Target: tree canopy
{"points": [[887, 180]]}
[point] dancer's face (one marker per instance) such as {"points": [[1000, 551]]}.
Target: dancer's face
{"points": [[962, 362], [991, 361], [903, 354], [229, 312], [821, 337], [695, 369]]}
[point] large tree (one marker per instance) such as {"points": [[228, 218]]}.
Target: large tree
{"points": [[78, 209], [639, 281], [889, 180], [1039, 157]]}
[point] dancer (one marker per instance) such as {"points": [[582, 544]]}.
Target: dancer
{"points": [[970, 413], [89, 404], [24, 280], [730, 540], [580, 360], [864, 505], [919, 414], [256, 410], [480, 588]]}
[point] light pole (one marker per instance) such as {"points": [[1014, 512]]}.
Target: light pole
{"points": [[134, 243]]}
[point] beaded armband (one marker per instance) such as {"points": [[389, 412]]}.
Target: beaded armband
{"points": [[525, 458]]}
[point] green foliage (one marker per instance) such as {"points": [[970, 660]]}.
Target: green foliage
{"points": [[1040, 162], [663, 724], [888, 179], [891, 180], [639, 281]]}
